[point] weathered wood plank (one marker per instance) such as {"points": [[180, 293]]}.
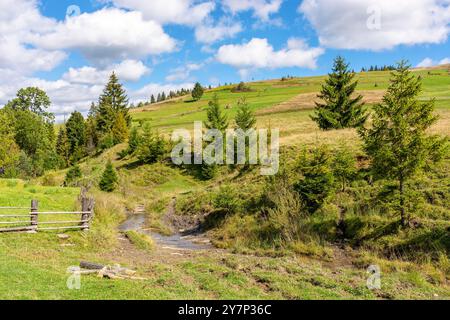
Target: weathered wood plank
{"points": [[14, 215], [62, 222], [50, 213], [29, 228], [14, 222], [60, 228]]}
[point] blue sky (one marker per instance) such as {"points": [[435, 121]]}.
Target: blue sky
{"points": [[168, 44]]}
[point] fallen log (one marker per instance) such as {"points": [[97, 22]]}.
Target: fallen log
{"points": [[91, 265], [109, 272]]}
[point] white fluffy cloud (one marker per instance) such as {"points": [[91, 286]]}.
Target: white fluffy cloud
{"points": [[107, 35], [186, 12], [259, 54], [196, 14], [262, 9], [65, 96], [20, 20], [378, 25], [145, 93], [183, 73], [428, 62], [209, 33], [128, 70]]}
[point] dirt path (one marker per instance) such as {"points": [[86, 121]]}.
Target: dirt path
{"points": [[185, 243]]}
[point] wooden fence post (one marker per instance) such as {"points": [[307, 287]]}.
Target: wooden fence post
{"points": [[87, 207], [34, 214]]}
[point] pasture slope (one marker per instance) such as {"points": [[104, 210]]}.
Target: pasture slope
{"points": [[34, 266]]}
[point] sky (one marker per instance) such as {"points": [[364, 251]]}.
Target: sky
{"points": [[69, 47]]}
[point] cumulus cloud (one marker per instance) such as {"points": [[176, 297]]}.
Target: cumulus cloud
{"points": [[209, 33], [262, 9], [65, 96], [428, 62], [128, 70], [259, 54], [425, 63], [185, 12], [145, 93], [183, 73], [107, 35], [20, 21], [377, 25]]}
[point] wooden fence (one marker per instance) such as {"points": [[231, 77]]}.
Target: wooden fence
{"points": [[17, 219]]}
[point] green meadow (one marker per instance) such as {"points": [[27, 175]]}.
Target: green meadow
{"points": [[242, 264]]}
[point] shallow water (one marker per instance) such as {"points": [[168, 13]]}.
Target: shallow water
{"points": [[136, 222]]}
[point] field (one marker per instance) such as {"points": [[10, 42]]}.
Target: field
{"points": [[288, 103], [34, 266]]}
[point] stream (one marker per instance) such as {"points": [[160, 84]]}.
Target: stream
{"points": [[136, 222]]}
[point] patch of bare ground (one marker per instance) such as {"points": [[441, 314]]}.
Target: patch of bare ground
{"points": [[307, 101]]}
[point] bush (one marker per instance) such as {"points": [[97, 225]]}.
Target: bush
{"points": [[152, 147], [227, 199], [73, 176], [284, 210], [106, 142], [198, 91], [208, 171], [241, 87], [109, 180], [318, 181]]}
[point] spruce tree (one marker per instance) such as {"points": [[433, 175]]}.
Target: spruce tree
{"points": [[340, 108], [245, 120], [397, 142], [72, 176], [344, 166], [198, 91], [318, 180], [152, 146], [120, 129], [63, 146], [152, 99], [216, 119], [76, 133], [109, 180], [134, 141], [91, 134], [112, 102], [245, 117]]}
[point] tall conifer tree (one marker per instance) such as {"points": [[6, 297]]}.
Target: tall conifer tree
{"points": [[340, 108], [397, 142]]}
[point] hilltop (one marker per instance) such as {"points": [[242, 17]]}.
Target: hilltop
{"points": [[288, 104]]}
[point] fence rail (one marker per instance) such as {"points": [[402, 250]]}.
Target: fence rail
{"points": [[34, 223]]}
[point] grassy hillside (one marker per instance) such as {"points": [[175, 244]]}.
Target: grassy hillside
{"points": [[251, 264], [288, 104]]}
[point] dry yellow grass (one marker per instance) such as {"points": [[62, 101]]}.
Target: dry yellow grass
{"points": [[306, 101]]}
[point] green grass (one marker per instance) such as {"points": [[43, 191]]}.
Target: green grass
{"points": [[141, 241], [182, 113], [33, 266]]}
